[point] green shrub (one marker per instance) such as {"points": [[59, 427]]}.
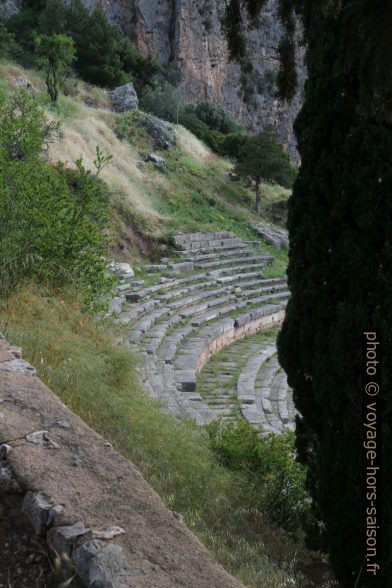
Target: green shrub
{"points": [[21, 25], [164, 101], [232, 144], [56, 52], [127, 125], [215, 140], [103, 55], [190, 120], [275, 480], [51, 221], [216, 118], [8, 45], [25, 132]]}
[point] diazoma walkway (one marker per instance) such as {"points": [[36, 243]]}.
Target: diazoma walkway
{"points": [[207, 327]]}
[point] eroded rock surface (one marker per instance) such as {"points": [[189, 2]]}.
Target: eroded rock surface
{"points": [[115, 527], [187, 36]]}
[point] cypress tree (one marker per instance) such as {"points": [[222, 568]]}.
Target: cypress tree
{"points": [[340, 225]]}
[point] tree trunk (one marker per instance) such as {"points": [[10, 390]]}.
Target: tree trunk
{"points": [[258, 196]]}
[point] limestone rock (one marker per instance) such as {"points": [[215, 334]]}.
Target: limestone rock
{"points": [[5, 450], [42, 438], [8, 482], [9, 8], [18, 365], [161, 131], [62, 539], [124, 98], [101, 566], [40, 511], [273, 234], [157, 160], [193, 42], [122, 269], [108, 533]]}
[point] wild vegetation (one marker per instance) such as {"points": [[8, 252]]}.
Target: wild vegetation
{"points": [[103, 56], [75, 190], [51, 220]]}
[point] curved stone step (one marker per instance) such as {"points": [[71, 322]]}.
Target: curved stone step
{"points": [[197, 349], [178, 323], [243, 251]]}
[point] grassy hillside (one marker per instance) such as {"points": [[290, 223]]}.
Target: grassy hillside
{"points": [[147, 204]]}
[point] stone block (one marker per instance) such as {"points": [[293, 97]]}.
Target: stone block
{"points": [[39, 511], [101, 565]]}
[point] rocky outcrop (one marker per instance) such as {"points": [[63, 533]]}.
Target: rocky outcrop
{"points": [[273, 234], [124, 98], [187, 36], [9, 7], [160, 130]]}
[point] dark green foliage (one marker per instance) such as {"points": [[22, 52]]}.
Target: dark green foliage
{"points": [[216, 117], [22, 26], [211, 123], [262, 158], [208, 121], [165, 101], [191, 121], [99, 47], [232, 144], [287, 80], [51, 221], [25, 133], [8, 45], [340, 222], [275, 481], [56, 52], [103, 56]]}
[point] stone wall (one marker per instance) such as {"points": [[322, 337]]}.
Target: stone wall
{"points": [[241, 328]]}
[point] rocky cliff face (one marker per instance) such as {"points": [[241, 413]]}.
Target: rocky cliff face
{"points": [[187, 35]]}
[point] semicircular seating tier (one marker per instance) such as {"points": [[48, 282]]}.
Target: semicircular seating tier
{"points": [[210, 294]]}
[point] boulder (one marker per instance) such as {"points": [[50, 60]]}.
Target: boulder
{"points": [[101, 565], [229, 176], [161, 131], [157, 160], [9, 8], [124, 98], [62, 539], [8, 482], [40, 511]]}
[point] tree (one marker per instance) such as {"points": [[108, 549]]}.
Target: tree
{"points": [[103, 55], [216, 118], [25, 132], [57, 52], [51, 220], [232, 144], [340, 225], [262, 158], [8, 45]]}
